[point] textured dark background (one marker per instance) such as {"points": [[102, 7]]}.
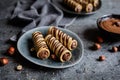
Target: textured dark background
{"points": [[88, 69]]}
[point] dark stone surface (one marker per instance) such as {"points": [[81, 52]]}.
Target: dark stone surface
{"points": [[88, 69]]}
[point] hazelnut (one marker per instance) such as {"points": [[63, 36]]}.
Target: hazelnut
{"points": [[11, 50], [114, 49], [102, 58], [53, 56], [4, 61], [19, 67], [99, 39], [97, 46]]}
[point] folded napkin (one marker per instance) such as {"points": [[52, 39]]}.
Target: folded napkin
{"points": [[37, 13]]}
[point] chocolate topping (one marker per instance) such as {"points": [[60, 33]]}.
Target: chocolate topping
{"points": [[43, 46], [62, 49], [111, 25], [61, 37], [56, 43], [49, 37], [54, 31]]}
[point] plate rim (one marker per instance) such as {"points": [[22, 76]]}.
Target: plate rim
{"points": [[51, 66], [72, 12]]}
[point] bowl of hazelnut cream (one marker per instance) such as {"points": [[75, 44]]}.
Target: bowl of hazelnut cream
{"points": [[109, 25]]}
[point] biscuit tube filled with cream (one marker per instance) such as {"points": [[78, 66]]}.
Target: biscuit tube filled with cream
{"points": [[88, 5], [62, 53], [89, 8], [40, 45], [65, 39], [94, 2], [74, 5]]}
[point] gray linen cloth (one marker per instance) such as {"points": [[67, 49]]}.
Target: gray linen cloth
{"points": [[37, 13]]}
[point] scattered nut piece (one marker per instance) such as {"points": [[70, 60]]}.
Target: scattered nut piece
{"points": [[19, 67], [102, 58], [32, 49], [97, 46], [99, 39], [53, 56], [4, 61], [11, 50], [114, 49]]}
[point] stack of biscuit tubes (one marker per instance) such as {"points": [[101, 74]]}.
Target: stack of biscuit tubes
{"points": [[86, 5], [65, 39], [62, 53], [74, 5], [94, 2], [40, 45]]}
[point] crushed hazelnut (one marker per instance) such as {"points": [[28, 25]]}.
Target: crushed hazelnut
{"points": [[19, 67]]}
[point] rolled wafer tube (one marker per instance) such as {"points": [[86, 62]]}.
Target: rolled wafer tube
{"points": [[74, 5], [62, 53], [88, 5], [40, 45], [65, 39], [94, 2], [89, 8]]}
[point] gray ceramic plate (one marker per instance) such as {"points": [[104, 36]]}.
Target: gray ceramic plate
{"points": [[60, 5], [25, 43]]}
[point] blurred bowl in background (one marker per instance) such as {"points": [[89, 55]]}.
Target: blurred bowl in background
{"points": [[59, 4]]}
